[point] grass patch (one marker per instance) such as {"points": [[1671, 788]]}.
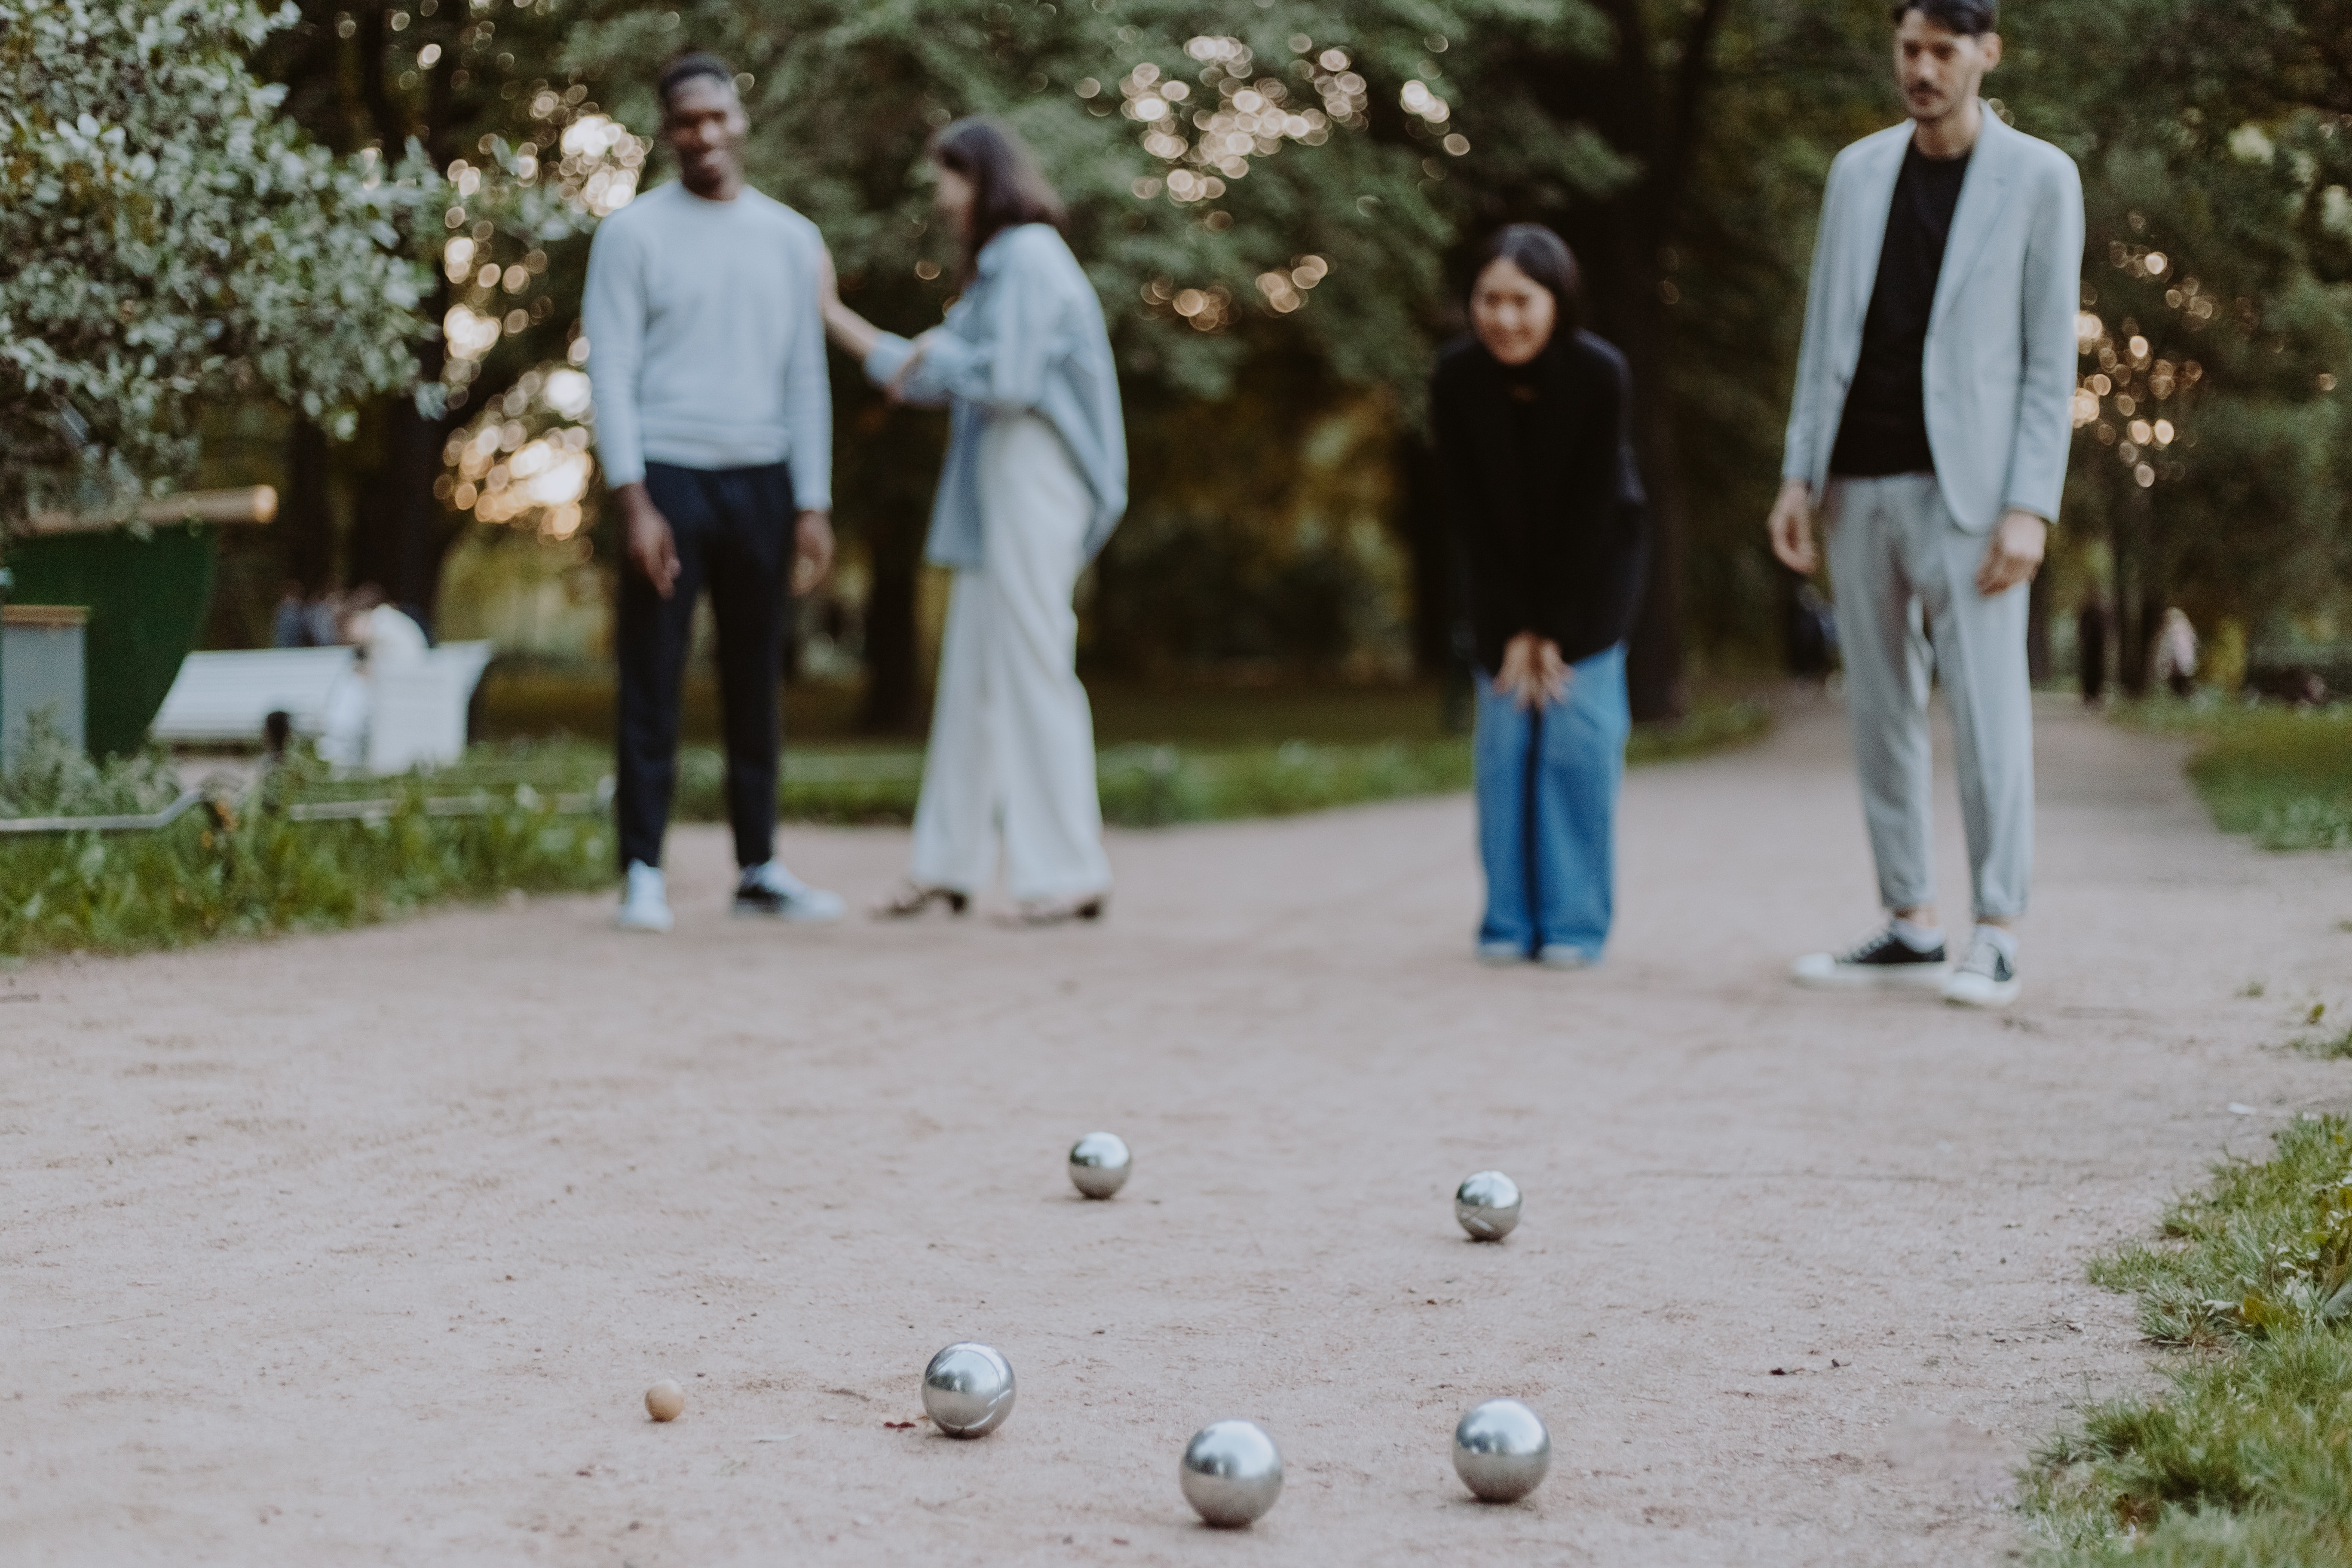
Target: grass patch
{"points": [[2281, 774], [247, 870], [250, 870], [2333, 1047], [2246, 1459], [1142, 784]]}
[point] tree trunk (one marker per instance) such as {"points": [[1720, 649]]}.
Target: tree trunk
{"points": [[1654, 654], [2037, 628], [306, 525], [1418, 521], [408, 532], [2135, 589], [1655, 113], [893, 686]]}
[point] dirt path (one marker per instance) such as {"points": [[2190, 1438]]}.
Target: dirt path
{"points": [[362, 1248]]}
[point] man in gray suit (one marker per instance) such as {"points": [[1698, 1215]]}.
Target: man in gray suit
{"points": [[1930, 431]]}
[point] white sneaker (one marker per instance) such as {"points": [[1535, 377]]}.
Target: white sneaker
{"points": [[771, 892], [1882, 958], [1560, 955], [1495, 954], [645, 900], [1986, 978]]}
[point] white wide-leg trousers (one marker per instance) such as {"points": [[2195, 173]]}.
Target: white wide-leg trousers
{"points": [[1012, 741]]}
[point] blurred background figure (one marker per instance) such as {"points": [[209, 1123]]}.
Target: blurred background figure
{"points": [[301, 621], [1536, 467], [384, 633], [2175, 658], [2090, 647], [385, 637], [290, 623], [1035, 481]]}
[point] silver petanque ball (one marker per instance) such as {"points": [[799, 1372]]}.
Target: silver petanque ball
{"points": [[1487, 1204], [1501, 1450], [1231, 1473], [967, 1390], [1099, 1164]]}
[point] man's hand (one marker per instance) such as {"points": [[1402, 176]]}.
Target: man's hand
{"points": [[652, 549], [1791, 527], [811, 550], [2014, 554]]}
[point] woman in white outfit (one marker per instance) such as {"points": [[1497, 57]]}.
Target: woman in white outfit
{"points": [[1035, 481]]}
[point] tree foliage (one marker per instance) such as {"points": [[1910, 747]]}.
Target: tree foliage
{"points": [[167, 238], [1313, 157], [2212, 468], [1265, 196], [1274, 330]]}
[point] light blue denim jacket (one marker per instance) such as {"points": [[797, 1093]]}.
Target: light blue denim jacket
{"points": [[1027, 337]]}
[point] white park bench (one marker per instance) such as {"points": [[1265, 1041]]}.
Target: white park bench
{"points": [[416, 712]]}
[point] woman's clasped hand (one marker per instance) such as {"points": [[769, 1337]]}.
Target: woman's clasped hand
{"points": [[1533, 674]]}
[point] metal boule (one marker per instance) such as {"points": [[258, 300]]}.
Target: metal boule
{"points": [[967, 1390], [1231, 1473], [1501, 1450], [1099, 1164], [1487, 1204]]}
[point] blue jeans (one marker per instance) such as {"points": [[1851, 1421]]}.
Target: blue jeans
{"points": [[1547, 810]]}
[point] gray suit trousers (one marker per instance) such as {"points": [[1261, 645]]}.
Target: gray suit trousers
{"points": [[1905, 573]]}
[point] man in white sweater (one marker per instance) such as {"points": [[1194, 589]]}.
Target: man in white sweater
{"points": [[714, 425]]}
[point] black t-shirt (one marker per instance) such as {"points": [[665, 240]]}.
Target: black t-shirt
{"points": [[1885, 428]]}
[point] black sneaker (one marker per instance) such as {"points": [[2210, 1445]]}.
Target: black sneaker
{"points": [[1882, 958], [771, 892]]}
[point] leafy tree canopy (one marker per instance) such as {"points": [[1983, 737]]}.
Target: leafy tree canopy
{"points": [[1239, 176], [170, 239]]}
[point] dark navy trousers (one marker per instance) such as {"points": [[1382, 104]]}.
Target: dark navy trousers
{"points": [[734, 528]]}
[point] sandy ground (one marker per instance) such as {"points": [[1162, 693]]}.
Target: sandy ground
{"points": [[362, 1248]]}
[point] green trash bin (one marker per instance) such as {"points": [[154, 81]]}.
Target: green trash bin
{"points": [[146, 592]]}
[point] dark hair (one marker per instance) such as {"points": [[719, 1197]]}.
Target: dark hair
{"points": [[1008, 188], [1546, 260], [685, 68], [1968, 18]]}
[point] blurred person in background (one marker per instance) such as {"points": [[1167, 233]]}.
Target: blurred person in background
{"points": [[1546, 509], [290, 623], [386, 637], [2174, 661], [1930, 430], [1036, 479], [303, 621], [714, 421]]}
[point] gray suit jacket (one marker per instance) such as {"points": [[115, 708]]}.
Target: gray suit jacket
{"points": [[2001, 342]]}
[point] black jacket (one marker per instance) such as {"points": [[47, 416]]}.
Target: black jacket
{"points": [[1536, 473]]}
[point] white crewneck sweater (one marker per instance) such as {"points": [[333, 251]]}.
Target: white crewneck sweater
{"points": [[706, 340]]}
